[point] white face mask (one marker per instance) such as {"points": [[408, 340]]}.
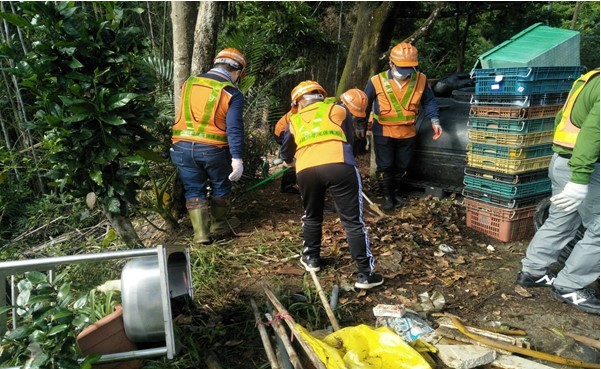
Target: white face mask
{"points": [[398, 75]]}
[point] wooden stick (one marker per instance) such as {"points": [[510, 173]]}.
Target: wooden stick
{"points": [[283, 336], [582, 339], [324, 302], [291, 324], [264, 337]]}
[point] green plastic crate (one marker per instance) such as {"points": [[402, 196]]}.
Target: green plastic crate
{"points": [[536, 46], [511, 125]]}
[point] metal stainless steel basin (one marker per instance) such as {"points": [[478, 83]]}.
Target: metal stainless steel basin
{"points": [[141, 296]]}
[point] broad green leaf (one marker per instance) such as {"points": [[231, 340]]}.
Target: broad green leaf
{"points": [[62, 313], [20, 333], [64, 290], [113, 205], [75, 64], [4, 309], [120, 100], [58, 329], [36, 277], [80, 302], [96, 176], [38, 336], [15, 19], [23, 298], [114, 120]]}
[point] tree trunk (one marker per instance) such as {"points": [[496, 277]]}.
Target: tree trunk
{"points": [[205, 36], [124, 228], [371, 39], [461, 39], [575, 15], [183, 18], [424, 28]]}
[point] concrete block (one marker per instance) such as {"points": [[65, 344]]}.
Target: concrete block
{"points": [[465, 356], [516, 362]]}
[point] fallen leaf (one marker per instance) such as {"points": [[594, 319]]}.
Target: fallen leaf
{"points": [[522, 291]]}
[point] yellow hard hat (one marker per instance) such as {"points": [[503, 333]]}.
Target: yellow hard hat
{"points": [[232, 57], [304, 88], [356, 101], [404, 55]]}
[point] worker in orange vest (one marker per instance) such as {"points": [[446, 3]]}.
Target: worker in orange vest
{"points": [[208, 143], [395, 98], [318, 142]]}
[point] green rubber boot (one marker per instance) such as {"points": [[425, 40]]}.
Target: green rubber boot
{"points": [[200, 222]]}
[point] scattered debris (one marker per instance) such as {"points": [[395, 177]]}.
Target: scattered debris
{"points": [[465, 356]]}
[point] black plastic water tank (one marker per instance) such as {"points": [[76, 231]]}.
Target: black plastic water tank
{"points": [[441, 163]]}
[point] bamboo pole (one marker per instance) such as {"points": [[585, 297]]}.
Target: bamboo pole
{"points": [[324, 302], [264, 337], [291, 324], [281, 333]]}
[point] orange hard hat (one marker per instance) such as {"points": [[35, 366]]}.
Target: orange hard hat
{"points": [[404, 55], [231, 57], [356, 101], [306, 87]]}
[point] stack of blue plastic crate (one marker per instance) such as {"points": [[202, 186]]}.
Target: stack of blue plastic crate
{"points": [[510, 146]]}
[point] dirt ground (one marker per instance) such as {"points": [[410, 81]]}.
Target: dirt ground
{"points": [[476, 279]]}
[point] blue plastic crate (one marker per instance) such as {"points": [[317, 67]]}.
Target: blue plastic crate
{"points": [[507, 152], [530, 73], [505, 86], [510, 191], [511, 125], [523, 101]]}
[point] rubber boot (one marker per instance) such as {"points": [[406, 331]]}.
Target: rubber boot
{"points": [[200, 222], [220, 226], [398, 182], [385, 183]]}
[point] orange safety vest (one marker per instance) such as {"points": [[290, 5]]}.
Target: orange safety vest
{"points": [[321, 128], [398, 106], [203, 108], [282, 124], [566, 132]]}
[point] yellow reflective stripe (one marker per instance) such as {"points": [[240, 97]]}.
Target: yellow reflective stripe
{"points": [[400, 117], [208, 110], [191, 133], [314, 135], [311, 132]]}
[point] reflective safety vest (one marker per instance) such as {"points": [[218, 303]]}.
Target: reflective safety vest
{"points": [[197, 119], [566, 132], [398, 106], [321, 128]]}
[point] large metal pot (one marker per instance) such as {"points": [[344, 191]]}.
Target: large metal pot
{"points": [[142, 299]]}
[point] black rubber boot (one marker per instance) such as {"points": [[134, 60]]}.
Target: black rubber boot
{"points": [[397, 183], [385, 184]]}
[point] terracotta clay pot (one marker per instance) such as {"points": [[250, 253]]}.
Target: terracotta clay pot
{"points": [[107, 336]]}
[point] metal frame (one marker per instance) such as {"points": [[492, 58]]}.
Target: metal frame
{"points": [[11, 268]]}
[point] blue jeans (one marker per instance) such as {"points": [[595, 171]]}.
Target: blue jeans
{"points": [[200, 166]]}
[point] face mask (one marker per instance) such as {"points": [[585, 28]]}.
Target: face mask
{"points": [[402, 75]]}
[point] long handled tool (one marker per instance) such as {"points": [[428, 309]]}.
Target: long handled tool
{"points": [[373, 206], [261, 183], [324, 302]]}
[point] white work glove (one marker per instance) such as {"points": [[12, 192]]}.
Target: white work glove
{"points": [[437, 128], [277, 161], [237, 169], [292, 164], [360, 128], [571, 197]]}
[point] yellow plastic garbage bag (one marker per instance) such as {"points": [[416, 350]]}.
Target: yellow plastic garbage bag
{"points": [[364, 347]]}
